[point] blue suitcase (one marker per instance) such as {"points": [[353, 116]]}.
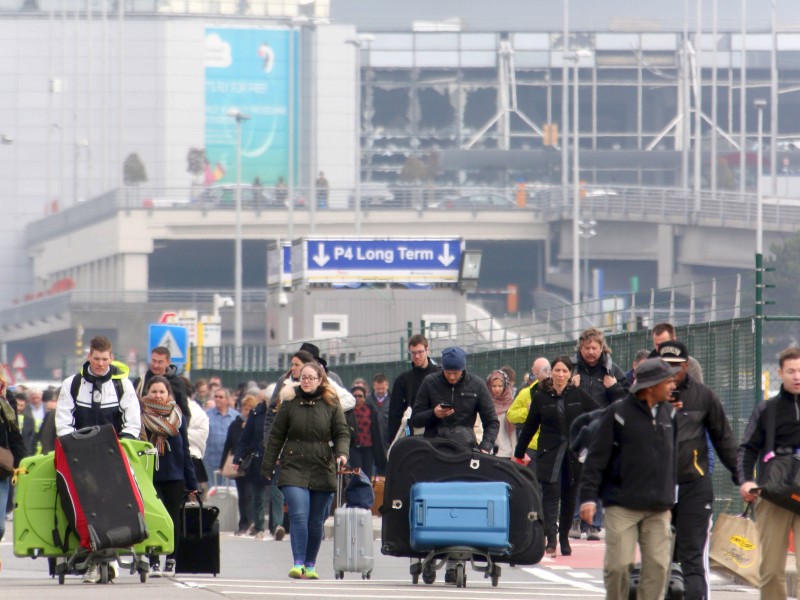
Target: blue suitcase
{"points": [[459, 513]]}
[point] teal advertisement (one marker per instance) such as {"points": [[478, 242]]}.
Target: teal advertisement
{"points": [[248, 70]]}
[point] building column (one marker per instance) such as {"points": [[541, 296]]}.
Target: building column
{"points": [[666, 255]]}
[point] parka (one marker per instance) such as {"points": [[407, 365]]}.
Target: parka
{"points": [[301, 437]]}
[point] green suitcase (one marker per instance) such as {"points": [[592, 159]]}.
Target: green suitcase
{"points": [[36, 502]]}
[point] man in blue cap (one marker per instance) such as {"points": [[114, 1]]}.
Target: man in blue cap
{"points": [[448, 402]]}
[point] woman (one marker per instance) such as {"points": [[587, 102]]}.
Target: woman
{"points": [[11, 438], [555, 404], [308, 421], [501, 389], [164, 426], [251, 442], [364, 433], [248, 524]]}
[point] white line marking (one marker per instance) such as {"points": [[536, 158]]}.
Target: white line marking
{"points": [[548, 575]]}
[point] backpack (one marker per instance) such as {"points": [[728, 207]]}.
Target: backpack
{"points": [[76, 386], [584, 429]]}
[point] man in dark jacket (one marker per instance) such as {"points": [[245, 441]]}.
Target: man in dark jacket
{"points": [[160, 365], [698, 412], [407, 384], [774, 521], [631, 466], [448, 403]]}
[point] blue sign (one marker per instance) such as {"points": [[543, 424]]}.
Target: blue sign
{"points": [[173, 337], [381, 260]]}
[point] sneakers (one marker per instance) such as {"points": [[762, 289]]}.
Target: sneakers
{"points": [[280, 533], [169, 568], [593, 534], [575, 530], [297, 572], [311, 573], [92, 574], [155, 569], [259, 536]]}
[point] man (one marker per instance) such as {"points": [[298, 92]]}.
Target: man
{"points": [[379, 401], [637, 358], [597, 375], [219, 420], [698, 413], [323, 188], [30, 421], [160, 365], [518, 411], [774, 522], [665, 332], [406, 385], [98, 403], [448, 402], [631, 466]]}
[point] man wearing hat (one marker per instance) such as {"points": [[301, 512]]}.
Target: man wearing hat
{"points": [[699, 417], [448, 402], [314, 351], [631, 467]]}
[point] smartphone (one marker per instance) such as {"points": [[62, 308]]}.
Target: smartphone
{"points": [[676, 396], [445, 405]]}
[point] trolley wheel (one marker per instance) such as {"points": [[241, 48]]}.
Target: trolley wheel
{"points": [[461, 578], [368, 574], [104, 572], [61, 578], [340, 575], [415, 579], [429, 575], [495, 579], [143, 576]]}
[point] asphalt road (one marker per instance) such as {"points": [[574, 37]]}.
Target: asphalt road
{"points": [[258, 569]]}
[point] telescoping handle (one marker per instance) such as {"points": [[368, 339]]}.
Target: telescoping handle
{"points": [[340, 473]]}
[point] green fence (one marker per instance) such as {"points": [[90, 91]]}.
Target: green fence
{"points": [[725, 350]]}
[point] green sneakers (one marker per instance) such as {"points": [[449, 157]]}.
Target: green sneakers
{"points": [[297, 572], [311, 573]]}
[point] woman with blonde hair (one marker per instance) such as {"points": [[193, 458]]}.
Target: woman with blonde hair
{"points": [[310, 436], [248, 521]]}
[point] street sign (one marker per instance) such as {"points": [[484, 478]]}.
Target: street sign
{"points": [[188, 319], [173, 337], [19, 362], [420, 260]]}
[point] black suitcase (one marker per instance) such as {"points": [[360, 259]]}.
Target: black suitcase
{"points": [[675, 588], [198, 543], [415, 459], [97, 489]]}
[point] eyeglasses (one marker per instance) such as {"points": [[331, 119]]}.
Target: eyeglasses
{"points": [[307, 378], [359, 396], [417, 352]]}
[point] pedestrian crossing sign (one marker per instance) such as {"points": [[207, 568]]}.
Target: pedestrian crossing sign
{"points": [[173, 337]]}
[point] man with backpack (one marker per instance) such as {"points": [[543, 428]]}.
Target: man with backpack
{"points": [[631, 465], [160, 365]]}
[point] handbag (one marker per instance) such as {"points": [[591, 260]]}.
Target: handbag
{"points": [[779, 480], [228, 470], [247, 461], [735, 545]]}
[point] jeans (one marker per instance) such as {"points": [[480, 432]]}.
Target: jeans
{"points": [[307, 516], [363, 458], [5, 486], [275, 503]]}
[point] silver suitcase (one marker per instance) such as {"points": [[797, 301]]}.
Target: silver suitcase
{"points": [[352, 537], [226, 498]]}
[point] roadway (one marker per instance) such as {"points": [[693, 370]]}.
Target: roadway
{"points": [[258, 569]]}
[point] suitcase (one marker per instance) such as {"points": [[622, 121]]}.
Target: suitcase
{"points": [[353, 548], [453, 513], [36, 506], [226, 499], [416, 459], [198, 544], [675, 587]]}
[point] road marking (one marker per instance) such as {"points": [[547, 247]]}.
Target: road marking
{"points": [[548, 575]]}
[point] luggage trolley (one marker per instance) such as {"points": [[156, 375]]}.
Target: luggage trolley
{"points": [[458, 523]]}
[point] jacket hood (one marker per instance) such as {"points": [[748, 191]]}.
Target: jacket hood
{"points": [[289, 392], [122, 370]]}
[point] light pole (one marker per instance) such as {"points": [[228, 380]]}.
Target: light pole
{"points": [[587, 232], [362, 40], [760, 105], [239, 117]]}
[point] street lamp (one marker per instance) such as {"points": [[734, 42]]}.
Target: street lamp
{"points": [[760, 104], [358, 43], [587, 232], [239, 117]]}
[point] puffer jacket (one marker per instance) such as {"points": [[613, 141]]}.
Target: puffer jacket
{"points": [[307, 434], [592, 379], [469, 396]]}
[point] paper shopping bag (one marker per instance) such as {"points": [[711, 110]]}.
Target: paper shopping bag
{"points": [[735, 545]]}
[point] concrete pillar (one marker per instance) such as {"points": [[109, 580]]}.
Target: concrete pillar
{"points": [[133, 276], [666, 255]]}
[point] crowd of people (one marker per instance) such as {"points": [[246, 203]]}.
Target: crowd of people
{"points": [[624, 456]]}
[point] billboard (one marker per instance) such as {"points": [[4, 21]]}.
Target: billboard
{"points": [[248, 70]]}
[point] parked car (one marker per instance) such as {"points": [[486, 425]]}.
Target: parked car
{"points": [[251, 197], [375, 194], [476, 201]]}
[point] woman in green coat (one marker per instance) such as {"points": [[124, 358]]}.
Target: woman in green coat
{"points": [[311, 436]]}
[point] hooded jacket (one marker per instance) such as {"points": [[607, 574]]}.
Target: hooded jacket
{"points": [[307, 435], [592, 379], [470, 397]]}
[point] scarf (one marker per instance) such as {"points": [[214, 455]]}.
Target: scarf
{"points": [[162, 420], [97, 381], [8, 414], [502, 402]]}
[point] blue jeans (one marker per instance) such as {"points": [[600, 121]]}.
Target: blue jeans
{"points": [[5, 486], [306, 516]]}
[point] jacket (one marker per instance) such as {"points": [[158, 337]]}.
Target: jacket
{"points": [[175, 382], [469, 396], [404, 391], [123, 413], [381, 411], [176, 462], [592, 379], [197, 430], [555, 422], [702, 412], [252, 440], [232, 438], [787, 432], [301, 435], [632, 459], [31, 430], [519, 409], [10, 435]]}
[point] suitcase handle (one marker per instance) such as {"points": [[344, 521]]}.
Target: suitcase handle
{"points": [[420, 512], [86, 432]]}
